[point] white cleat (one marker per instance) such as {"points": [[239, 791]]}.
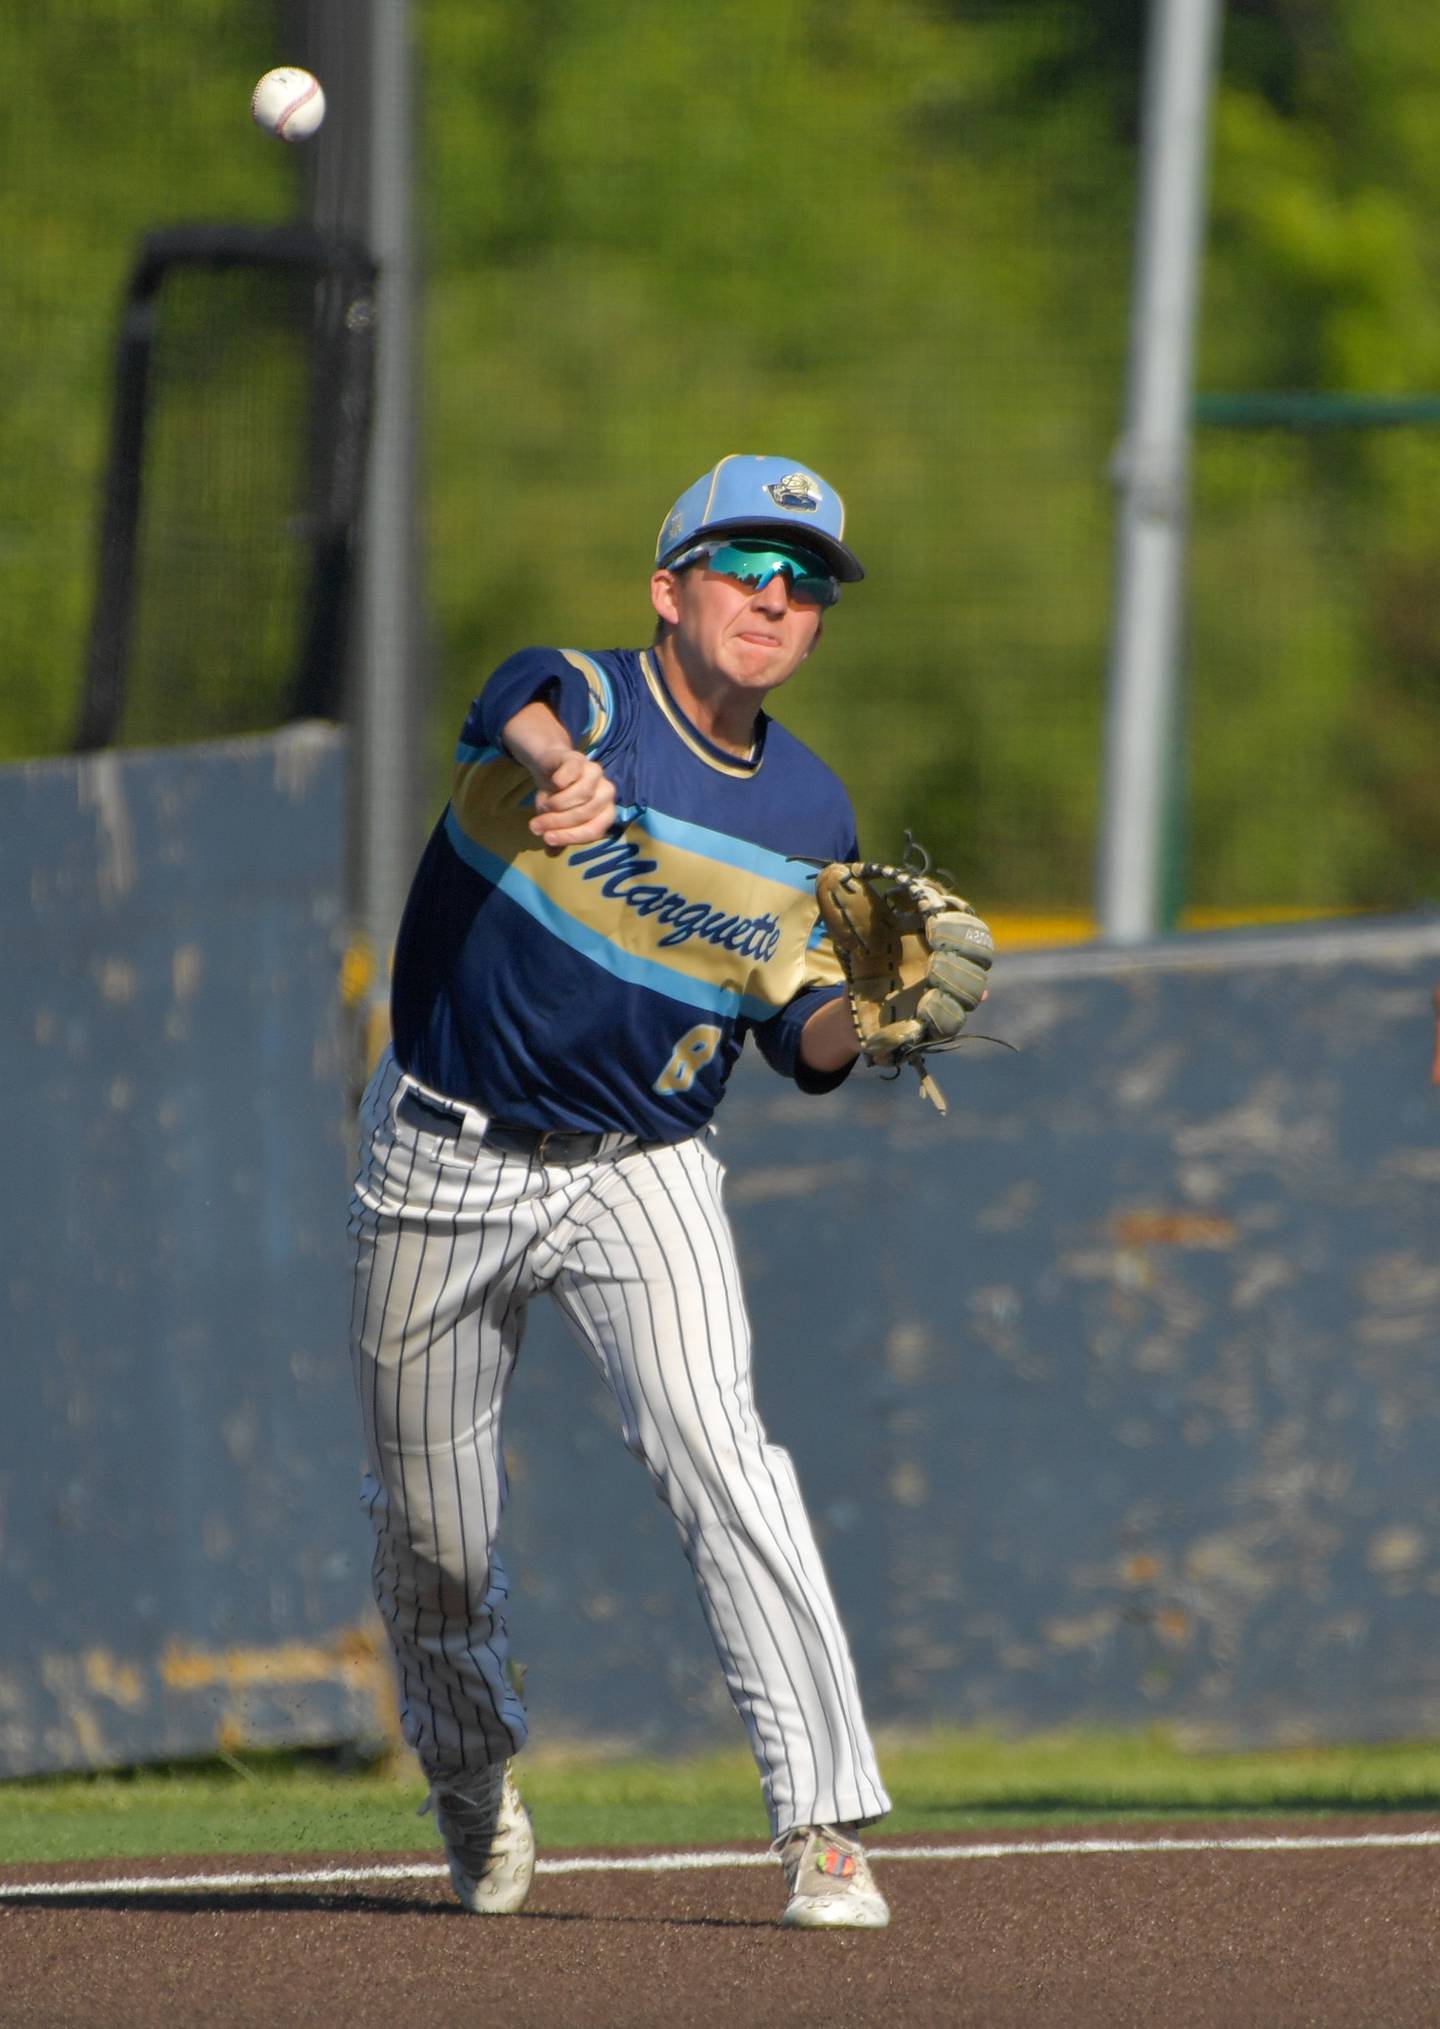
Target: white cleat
{"points": [[831, 1886], [489, 1840]]}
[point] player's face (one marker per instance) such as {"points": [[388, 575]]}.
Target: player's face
{"points": [[751, 638]]}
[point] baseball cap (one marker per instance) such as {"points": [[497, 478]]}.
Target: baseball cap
{"points": [[764, 496]]}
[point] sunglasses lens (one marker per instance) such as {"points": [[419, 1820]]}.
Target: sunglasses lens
{"points": [[810, 583]]}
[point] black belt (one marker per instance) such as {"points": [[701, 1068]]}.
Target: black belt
{"points": [[539, 1144], [550, 1145]]}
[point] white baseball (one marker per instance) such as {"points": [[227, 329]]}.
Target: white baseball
{"points": [[288, 103]]}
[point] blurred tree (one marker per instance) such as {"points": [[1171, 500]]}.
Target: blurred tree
{"points": [[895, 242]]}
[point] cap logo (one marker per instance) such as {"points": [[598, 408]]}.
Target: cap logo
{"points": [[796, 490]]}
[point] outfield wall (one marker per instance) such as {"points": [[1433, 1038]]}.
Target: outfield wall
{"points": [[1115, 1393], [179, 1561]]}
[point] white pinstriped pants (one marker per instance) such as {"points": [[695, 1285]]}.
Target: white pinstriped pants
{"points": [[450, 1241]]}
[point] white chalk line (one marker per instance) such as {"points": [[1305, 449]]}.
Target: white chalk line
{"points": [[700, 1862]]}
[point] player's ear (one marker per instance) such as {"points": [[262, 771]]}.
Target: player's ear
{"points": [[662, 596]]}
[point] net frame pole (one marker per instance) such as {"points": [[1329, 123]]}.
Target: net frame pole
{"points": [[1151, 467]]}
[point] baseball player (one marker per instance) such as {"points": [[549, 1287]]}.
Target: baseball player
{"points": [[619, 891]]}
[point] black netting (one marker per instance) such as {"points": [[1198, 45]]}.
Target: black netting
{"points": [[232, 487]]}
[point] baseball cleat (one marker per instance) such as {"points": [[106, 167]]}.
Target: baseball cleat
{"points": [[831, 1886], [489, 1840]]}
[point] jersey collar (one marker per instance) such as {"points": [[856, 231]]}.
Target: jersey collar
{"points": [[719, 758]]}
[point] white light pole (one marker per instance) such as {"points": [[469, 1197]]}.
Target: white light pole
{"points": [[1151, 466]]}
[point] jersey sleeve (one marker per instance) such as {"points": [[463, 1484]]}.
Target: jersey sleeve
{"points": [[778, 1039], [576, 687]]}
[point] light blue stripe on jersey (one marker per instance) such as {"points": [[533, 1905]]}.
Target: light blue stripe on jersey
{"points": [[464, 754], [731, 852], [626, 965]]}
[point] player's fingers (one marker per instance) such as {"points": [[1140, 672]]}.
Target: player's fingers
{"points": [[576, 819], [595, 819], [567, 770], [558, 837], [584, 785], [553, 817], [576, 797]]}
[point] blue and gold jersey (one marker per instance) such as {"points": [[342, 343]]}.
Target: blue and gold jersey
{"points": [[611, 986]]}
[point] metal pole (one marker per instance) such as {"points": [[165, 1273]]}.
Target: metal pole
{"points": [[1151, 466], [362, 179], [391, 686]]}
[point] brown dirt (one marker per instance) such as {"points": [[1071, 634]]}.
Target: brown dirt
{"points": [[1322, 1938]]}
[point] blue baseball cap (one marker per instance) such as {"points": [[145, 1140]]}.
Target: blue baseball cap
{"points": [[764, 497]]}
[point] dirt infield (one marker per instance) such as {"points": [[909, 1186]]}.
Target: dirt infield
{"points": [[1180, 1932]]}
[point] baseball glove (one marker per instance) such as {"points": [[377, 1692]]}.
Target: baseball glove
{"points": [[916, 958]]}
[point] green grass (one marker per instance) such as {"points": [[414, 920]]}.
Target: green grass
{"points": [[941, 1782]]}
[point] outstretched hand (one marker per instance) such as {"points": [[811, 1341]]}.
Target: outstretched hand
{"points": [[574, 797], [575, 802]]}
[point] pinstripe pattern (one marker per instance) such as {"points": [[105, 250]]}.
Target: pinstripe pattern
{"points": [[451, 1241]]}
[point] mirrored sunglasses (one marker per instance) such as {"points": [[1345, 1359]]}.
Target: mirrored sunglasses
{"points": [[754, 564]]}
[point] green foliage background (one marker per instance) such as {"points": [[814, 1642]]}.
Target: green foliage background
{"points": [[894, 242]]}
